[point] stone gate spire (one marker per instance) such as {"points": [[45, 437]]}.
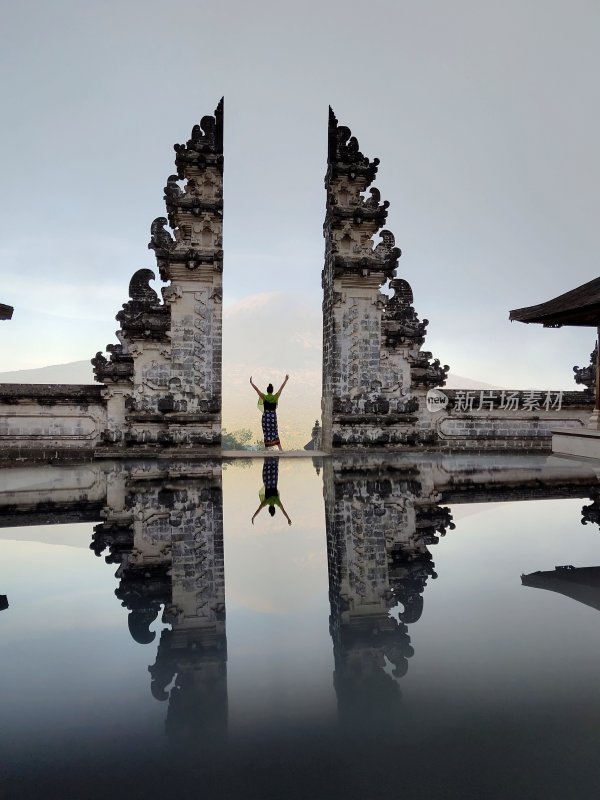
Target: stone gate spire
{"points": [[164, 378], [374, 376]]}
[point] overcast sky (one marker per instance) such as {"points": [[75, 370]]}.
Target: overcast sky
{"points": [[484, 115]]}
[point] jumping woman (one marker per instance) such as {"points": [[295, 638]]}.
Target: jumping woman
{"points": [[267, 402]]}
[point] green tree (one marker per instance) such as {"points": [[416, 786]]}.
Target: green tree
{"points": [[236, 440]]}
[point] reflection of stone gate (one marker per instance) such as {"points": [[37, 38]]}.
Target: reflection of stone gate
{"points": [[164, 530], [379, 527], [383, 514], [162, 527]]}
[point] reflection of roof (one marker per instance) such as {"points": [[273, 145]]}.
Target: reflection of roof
{"points": [[6, 312], [581, 584], [580, 306]]}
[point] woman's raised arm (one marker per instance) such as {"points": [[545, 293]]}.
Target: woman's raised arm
{"points": [[256, 389], [282, 385]]}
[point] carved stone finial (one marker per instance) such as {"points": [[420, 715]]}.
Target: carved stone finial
{"points": [[586, 376], [403, 293], [591, 513], [344, 155], [143, 316], [139, 287], [387, 251], [205, 144], [99, 360], [160, 239], [139, 622], [172, 190], [402, 325]]}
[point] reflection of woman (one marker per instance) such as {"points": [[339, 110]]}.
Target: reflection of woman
{"points": [[269, 494], [267, 402]]}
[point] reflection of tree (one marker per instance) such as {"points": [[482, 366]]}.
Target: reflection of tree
{"points": [[167, 538], [378, 529]]}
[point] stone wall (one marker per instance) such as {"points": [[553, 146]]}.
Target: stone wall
{"points": [[507, 419], [163, 378], [375, 375], [46, 421]]}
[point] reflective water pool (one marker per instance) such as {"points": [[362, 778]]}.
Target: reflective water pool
{"points": [[391, 628]]}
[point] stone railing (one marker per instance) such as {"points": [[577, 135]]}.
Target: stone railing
{"points": [[49, 421], [511, 419]]}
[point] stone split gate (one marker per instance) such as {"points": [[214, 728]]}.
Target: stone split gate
{"points": [[160, 386]]}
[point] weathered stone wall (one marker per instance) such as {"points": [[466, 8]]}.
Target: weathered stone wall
{"points": [[507, 419], [375, 375], [46, 421], [163, 379]]}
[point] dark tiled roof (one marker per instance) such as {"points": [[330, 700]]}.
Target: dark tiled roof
{"points": [[6, 312], [580, 306]]}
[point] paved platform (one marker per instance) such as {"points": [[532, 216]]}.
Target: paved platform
{"points": [[274, 452], [197, 454], [579, 443]]}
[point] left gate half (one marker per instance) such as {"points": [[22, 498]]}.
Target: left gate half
{"points": [[163, 379]]}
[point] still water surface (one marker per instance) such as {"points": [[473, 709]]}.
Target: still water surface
{"points": [[383, 644]]}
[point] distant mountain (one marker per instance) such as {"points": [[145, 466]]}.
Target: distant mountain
{"points": [[235, 378], [73, 372], [458, 382], [265, 335], [300, 405]]}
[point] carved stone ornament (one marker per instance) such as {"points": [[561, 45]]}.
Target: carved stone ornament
{"points": [[401, 322], [160, 239], [351, 221], [205, 146], [586, 376], [428, 373], [143, 316], [344, 156], [591, 513]]}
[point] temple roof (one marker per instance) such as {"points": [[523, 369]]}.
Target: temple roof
{"points": [[6, 312], [580, 306]]}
